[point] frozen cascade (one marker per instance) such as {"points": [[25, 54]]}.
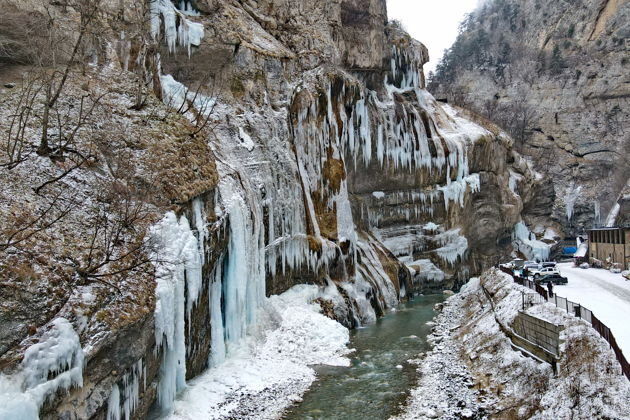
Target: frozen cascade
{"points": [[453, 246], [55, 363], [526, 242], [597, 211], [243, 282], [611, 219], [217, 332], [570, 198], [113, 404], [513, 181], [427, 271], [178, 262], [178, 96]]}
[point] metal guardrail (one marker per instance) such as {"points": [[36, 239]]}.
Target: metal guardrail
{"points": [[579, 311]]}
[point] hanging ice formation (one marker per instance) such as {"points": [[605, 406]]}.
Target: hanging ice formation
{"points": [[124, 399], [573, 193], [178, 30], [53, 364], [243, 277], [526, 242], [178, 272]]}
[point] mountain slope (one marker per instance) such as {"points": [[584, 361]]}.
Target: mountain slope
{"points": [[556, 75]]}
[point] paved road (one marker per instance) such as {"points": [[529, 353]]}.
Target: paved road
{"points": [[604, 293]]}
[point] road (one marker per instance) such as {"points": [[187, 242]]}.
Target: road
{"points": [[604, 293]]}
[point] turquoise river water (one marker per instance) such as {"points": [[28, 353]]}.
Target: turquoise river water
{"points": [[374, 385]]}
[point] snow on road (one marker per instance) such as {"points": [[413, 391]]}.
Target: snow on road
{"points": [[605, 293]]}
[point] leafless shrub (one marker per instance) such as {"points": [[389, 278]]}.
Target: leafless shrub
{"points": [[21, 37], [24, 222]]}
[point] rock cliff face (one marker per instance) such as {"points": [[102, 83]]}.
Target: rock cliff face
{"points": [[316, 156], [555, 75]]}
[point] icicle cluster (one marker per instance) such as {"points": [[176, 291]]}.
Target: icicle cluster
{"points": [[453, 246], [53, 364], [405, 69], [427, 271], [178, 30], [571, 196], [526, 242], [178, 272], [123, 403]]}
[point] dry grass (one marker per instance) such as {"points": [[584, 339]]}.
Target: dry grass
{"points": [[144, 162]]}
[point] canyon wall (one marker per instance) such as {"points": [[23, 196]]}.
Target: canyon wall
{"points": [[554, 75], [294, 143]]}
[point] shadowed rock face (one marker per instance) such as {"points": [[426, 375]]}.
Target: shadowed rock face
{"points": [[554, 75]]}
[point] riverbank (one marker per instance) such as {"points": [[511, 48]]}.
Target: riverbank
{"points": [[271, 369], [379, 377], [473, 372], [300, 364]]}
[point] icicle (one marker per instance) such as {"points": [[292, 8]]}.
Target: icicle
{"points": [[177, 28], [178, 269], [217, 333], [113, 404]]}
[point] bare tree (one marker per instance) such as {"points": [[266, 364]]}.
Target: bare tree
{"points": [[15, 141], [117, 244], [54, 79]]}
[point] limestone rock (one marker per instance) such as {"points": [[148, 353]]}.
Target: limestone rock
{"points": [[555, 76]]}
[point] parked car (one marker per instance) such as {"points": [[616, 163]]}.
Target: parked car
{"points": [[531, 268], [553, 278], [545, 271], [546, 264], [517, 264]]}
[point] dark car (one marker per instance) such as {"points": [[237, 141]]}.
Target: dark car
{"points": [[553, 278]]}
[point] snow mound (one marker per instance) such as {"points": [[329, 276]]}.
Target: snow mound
{"points": [[474, 372], [271, 368]]}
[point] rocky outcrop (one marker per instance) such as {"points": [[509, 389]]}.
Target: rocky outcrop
{"points": [[554, 76], [296, 144]]}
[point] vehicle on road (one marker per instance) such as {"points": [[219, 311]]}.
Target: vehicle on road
{"points": [[517, 264], [551, 278], [531, 268], [545, 271], [546, 264]]}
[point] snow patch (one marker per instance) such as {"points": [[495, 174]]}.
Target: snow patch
{"points": [[246, 140], [291, 335]]}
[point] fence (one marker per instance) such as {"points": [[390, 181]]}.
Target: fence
{"points": [[579, 311]]}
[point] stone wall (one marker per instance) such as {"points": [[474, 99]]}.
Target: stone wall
{"points": [[539, 332]]}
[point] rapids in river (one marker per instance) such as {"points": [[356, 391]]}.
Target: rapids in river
{"points": [[379, 377]]}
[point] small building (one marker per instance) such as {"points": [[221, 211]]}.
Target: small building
{"points": [[612, 244]]}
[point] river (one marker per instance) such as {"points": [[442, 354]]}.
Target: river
{"points": [[379, 377]]}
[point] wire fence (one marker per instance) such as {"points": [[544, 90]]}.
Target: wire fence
{"points": [[575, 309]]}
